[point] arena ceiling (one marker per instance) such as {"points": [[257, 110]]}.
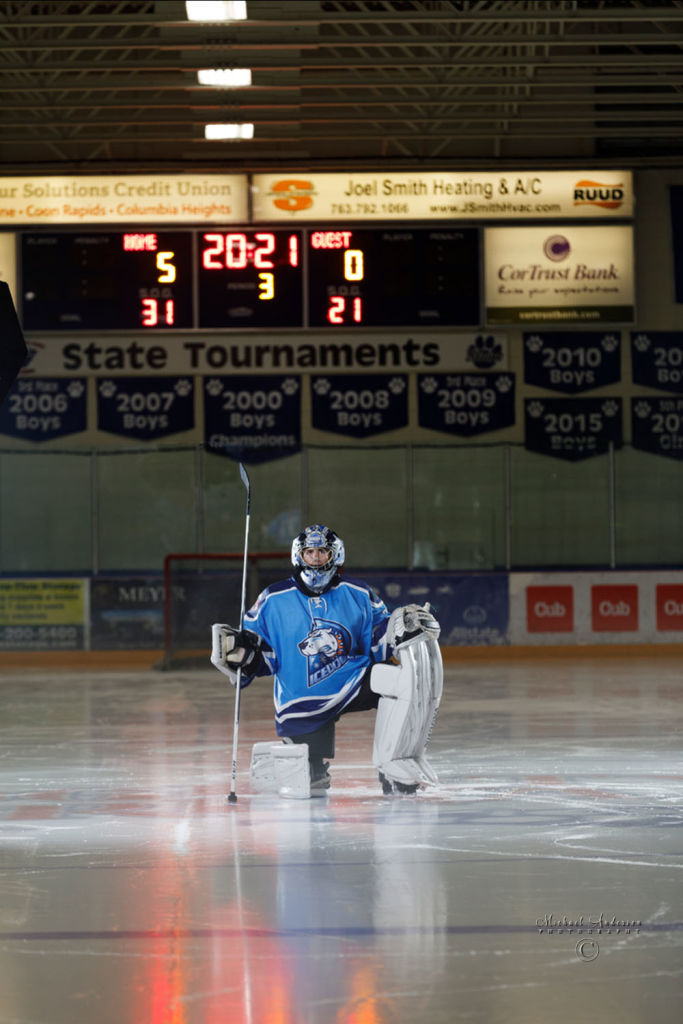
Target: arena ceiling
{"points": [[113, 86]]}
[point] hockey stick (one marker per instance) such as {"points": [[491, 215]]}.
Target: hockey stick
{"points": [[238, 691]]}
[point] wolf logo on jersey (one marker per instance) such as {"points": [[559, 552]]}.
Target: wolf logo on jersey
{"points": [[326, 647]]}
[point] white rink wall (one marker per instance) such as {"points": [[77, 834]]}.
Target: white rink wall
{"points": [[596, 608]]}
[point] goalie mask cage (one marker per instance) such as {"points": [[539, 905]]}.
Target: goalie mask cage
{"points": [[200, 589]]}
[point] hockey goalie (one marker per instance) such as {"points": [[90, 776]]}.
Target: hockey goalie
{"points": [[333, 648]]}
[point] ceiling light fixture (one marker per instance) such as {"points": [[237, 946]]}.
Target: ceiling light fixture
{"points": [[228, 78], [228, 131], [216, 10]]}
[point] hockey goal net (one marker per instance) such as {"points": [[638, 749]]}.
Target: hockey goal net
{"points": [[203, 588]]}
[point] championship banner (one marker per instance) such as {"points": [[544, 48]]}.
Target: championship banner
{"points": [[44, 408], [42, 614], [657, 359], [252, 419], [657, 425], [359, 405], [559, 274], [466, 404], [562, 361], [572, 428], [145, 408]]}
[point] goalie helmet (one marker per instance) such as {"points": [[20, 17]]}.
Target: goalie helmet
{"points": [[317, 577]]}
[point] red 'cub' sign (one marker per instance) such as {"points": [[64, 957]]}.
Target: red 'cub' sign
{"points": [[550, 609], [614, 607], [670, 606]]}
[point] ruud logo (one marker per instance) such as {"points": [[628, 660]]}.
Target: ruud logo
{"points": [[670, 606], [614, 608], [292, 194], [550, 609], [593, 193]]}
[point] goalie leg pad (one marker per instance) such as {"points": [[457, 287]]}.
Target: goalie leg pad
{"points": [[410, 694]]}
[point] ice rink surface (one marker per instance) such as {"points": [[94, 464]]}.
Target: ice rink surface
{"points": [[541, 882]]}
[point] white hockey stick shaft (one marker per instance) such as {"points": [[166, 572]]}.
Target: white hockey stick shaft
{"points": [[238, 689]]}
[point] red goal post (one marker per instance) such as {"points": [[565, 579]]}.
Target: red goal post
{"points": [[205, 587]]}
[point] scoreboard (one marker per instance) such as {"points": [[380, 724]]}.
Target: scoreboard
{"points": [[249, 278]]}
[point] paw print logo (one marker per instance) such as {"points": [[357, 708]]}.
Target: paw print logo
{"points": [[503, 384], [397, 385], [322, 386], [610, 342], [485, 352], [214, 387], [75, 389], [290, 386], [535, 409], [534, 343], [610, 407], [642, 410], [642, 342], [429, 385], [108, 389], [183, 387]]}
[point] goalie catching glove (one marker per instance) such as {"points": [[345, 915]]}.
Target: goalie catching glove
{"points": [[233, 649], [410, 624]]}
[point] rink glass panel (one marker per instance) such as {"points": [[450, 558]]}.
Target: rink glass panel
{"points": [[45, 512], [559, 511], [441, 507], [146, 507], [459, 507], [362, 494], [649, 501], [275, 504]]}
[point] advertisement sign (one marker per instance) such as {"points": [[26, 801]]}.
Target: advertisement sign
{"points": [[441, 195], [473, 610], [263, 353], [359, 405], [657, 359], [145, 408], [252, 419], [466, 404], [44, 408], [669, 600], [550, 609], [559, 274], [657, 425], [42, 614], [572, 428], [614, 608], [124, 198], [563, 361]]}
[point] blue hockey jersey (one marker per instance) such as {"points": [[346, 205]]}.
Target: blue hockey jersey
{"points": [[318, 648]]}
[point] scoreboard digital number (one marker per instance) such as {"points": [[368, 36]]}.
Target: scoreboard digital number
{"points": [[393, 278], [250, 279], [107, 281], [241, 279]]}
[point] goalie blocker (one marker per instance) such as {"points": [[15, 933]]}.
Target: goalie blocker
{"points": [[409, 698]]}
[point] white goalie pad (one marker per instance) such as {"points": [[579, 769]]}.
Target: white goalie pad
{"points": [[281, 768], [410, 696]]}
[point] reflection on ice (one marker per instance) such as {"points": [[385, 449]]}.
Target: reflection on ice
{"points": [[130, 891]]}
